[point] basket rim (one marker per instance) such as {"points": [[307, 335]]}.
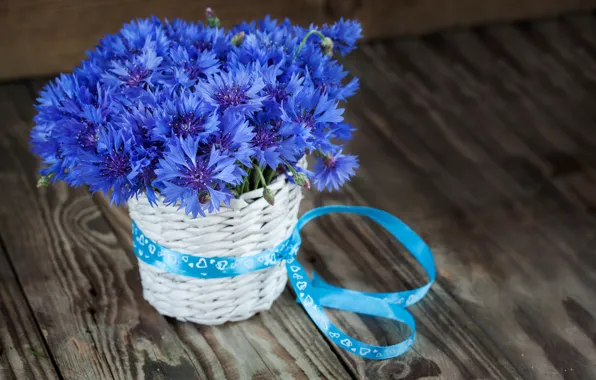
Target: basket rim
{"points": [[236, 204]]}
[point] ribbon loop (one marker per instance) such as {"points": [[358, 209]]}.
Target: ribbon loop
{"points": [[313, 294]]}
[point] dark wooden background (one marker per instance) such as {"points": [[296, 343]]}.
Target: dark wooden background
{"points": [[482, 140], [41, 37]]}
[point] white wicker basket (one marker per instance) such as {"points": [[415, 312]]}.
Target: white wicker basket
{"points": [[250, 225]]}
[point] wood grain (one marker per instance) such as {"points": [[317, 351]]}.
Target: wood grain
{"points": [[42, 37], [495, 166], [23, 354]]}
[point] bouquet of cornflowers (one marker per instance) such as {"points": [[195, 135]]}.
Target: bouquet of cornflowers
{"points": [[193, 115]]}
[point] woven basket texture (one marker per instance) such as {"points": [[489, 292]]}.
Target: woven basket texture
{"points": [[250, 225]]}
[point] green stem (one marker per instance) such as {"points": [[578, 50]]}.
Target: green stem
{"points": [[254, 180], [244, 187], [260, 174], [305, 38], [289, 166], [270, 174]]}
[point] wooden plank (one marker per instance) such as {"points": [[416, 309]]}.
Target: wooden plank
{"points": [[572, 52], [391, 18], [23, 353], [60, 31], [583, 28], [282, 343], [509, 234]]}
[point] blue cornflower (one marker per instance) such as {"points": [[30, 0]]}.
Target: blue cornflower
{"points": [[234, 138], [329, 78], [278, 91], [344, 92], [130, 41], [140, 119], [344, 34], [64, 96], [237, 91], [188, 66], [303, 112], [268, 24], [197, 183], [142, 32], [144, 161], [110, 168], [185, 114], [50, 110], [260, 47], [326, 75], [201, 37], [59, 119], [342, 131], [111, 47], [272, 143], [331, 171], [79, 133], [135, 74]]}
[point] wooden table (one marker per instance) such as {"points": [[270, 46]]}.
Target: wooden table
{"points": [[483, 141]]}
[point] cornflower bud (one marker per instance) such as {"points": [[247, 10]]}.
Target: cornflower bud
{"points": [[44, 180], [238, 39], [327, 46], [212, 19], [269, 196], [301, 180]]}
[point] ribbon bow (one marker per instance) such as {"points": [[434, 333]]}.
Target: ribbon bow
{"points": [[313, 294]]}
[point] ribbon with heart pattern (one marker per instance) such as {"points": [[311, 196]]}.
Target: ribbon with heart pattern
{"points": [[314, 294]]}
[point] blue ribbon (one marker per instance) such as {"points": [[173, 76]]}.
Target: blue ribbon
{"points": [[313, 294]]}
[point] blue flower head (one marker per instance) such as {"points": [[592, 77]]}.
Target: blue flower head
{"points": [[200, 37], [331, 171], [276, 89], [344, 34], [273, 144], [305, 112], [138, 34], [185, 114], [136, 74], [188, 66], [196, 183], [234, 138], [238, 91], [110, 168], [144, 161]]}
